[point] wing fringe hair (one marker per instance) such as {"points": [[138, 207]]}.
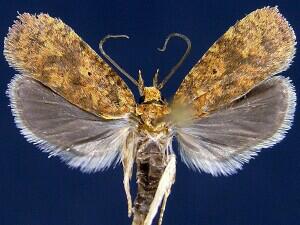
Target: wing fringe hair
{"points": [[59, 128], [207, 145]]}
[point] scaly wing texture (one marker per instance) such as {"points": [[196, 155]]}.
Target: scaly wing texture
{"points": [[51, 52], [221, 142], [80, 138], [258, 46]]}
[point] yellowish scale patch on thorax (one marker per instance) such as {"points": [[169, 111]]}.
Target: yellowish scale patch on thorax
{"points": [[152, 112]]}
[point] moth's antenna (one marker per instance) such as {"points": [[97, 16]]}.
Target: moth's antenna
{"points": [[187, 51], [111, 60]]}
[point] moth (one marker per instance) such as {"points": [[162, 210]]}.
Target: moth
{"points": [[71, 103]]}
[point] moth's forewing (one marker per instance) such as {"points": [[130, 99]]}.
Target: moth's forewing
{"points": [[79, 138], [237, 109], [49, 51], [258, 46]]}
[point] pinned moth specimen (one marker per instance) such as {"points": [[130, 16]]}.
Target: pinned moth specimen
{"points": [[72, 104]]}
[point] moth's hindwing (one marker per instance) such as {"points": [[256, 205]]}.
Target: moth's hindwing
{"points": [[258, 46], [79, 138], [51, 52], [221, 142]]}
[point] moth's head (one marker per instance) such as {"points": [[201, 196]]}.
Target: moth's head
{"points": [[151, 108], [149, 94]]}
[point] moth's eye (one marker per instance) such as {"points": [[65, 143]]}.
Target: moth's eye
{"points": [[141, 99]]}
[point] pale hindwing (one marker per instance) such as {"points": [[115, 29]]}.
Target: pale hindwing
{"points": [[223, 141], [79, 138]]}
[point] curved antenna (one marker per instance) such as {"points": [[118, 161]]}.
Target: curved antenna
{"points": [[187, 51], [111, 60]]}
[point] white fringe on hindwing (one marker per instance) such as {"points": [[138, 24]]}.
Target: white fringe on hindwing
{"points": [[101, 153], [188, 141]]}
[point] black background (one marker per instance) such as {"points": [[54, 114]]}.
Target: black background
{"points": [[35, 190]]}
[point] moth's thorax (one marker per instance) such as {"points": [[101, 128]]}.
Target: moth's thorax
{"points": [[152, 111]]}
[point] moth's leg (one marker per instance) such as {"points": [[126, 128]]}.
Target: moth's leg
{"points": [[127, 176], [128, 161], [163, 190], [163, 207]]}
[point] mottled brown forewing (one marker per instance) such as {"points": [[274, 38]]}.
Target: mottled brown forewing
{"points": [[258, 46], [51, 52]]}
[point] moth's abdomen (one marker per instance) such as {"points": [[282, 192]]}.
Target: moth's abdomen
{"points": [[151, 162]]}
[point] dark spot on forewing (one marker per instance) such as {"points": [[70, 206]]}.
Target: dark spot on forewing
{"points": [[268, 45]]}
